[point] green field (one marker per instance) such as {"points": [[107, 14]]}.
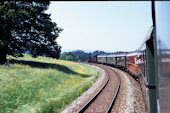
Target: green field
{"points": [[42, 85]]}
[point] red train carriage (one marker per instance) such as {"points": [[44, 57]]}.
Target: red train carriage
{"points": [[132, 64]]}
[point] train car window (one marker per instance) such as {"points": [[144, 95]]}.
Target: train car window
{"points": [[162, 12]]}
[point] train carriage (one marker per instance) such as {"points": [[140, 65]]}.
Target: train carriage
{"points": [[132, 62], [92, 59], [121, 60], [111, 59], [102, 59]]}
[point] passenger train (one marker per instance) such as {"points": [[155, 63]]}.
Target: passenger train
{"points": [[150, 63]]}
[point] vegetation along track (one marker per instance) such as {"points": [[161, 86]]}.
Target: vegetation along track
{"points": [[105, 97]]}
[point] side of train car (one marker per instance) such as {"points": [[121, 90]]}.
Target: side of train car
{"points": [[128, 61]]}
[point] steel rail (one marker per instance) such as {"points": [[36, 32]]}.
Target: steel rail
{"points": [[95, 96], [117, 90]]}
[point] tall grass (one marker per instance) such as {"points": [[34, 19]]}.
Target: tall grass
{"points": [[45, 85]]}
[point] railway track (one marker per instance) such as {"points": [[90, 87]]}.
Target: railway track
{"points": [[104, 99]]}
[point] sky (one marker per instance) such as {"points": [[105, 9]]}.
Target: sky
{"points": [[101, 25]]}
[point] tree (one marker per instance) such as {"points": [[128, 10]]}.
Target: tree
{"points": [[24, 26], [63, 56], [70, 58]]}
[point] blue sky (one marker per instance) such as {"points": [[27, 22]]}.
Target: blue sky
{"points": [[101, 25]]}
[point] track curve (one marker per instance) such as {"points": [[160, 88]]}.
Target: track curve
{"points": [[103, 100]]}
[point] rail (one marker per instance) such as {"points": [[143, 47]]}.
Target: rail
{"points": [[96, 95]]}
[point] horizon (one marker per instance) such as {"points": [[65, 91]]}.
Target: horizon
{"points": [[90, 51]]}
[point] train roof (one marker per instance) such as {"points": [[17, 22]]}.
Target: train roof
{"points": [[114, 55], [131, 53], [101, 55], [147, 37]]}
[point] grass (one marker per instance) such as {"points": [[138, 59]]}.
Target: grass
{"points": [[42, 85]]}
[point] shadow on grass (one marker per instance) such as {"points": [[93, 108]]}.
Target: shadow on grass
{"points": [[46, 66]]}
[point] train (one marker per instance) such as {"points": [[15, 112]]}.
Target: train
{"points": [[150, 63]]}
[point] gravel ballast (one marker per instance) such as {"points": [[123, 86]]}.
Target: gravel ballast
{"points": [[81, 100], [130, 98]]}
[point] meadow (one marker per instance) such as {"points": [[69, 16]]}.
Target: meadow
{"points": [[42, 85]]}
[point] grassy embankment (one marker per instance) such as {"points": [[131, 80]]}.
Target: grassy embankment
{"points": [[42, 84]]}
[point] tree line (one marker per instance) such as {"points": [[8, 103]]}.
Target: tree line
{"points": [[80, 55]]}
